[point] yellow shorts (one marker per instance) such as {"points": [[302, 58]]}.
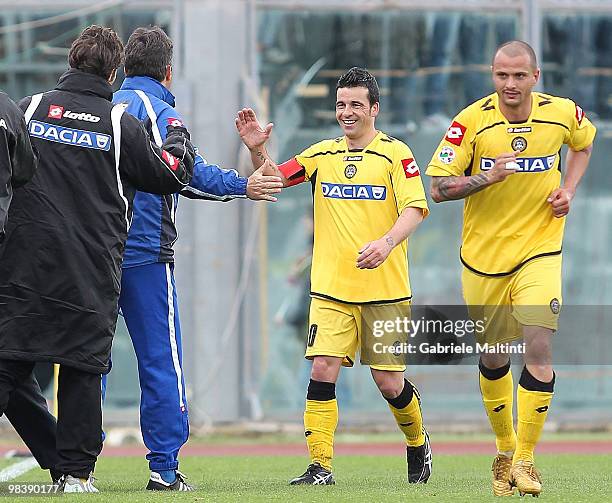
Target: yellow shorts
{"points": [[339, 329], [531, 296]]}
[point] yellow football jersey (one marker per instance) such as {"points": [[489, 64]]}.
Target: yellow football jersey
{"points": [[510, 222], [357, 197]]}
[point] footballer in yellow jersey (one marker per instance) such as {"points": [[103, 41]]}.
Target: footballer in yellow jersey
{"points": [[368, 198], [502, 155], [511, 223], [358, 194]]}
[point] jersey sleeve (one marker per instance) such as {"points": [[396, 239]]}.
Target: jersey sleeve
{"points": [[301, 167], [209, 182], [454, 154], [406, 181], [308, 159], [24, 157], [148, 167], [581, 131]]}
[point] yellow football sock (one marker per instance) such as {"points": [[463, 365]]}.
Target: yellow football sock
{"points": [[497, 397], [532, 408], [320, 421], [407, 412]]}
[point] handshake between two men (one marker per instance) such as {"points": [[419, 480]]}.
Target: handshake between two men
{"points": [[267, 179]]}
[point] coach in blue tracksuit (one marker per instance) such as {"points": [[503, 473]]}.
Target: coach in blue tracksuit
{"points": [[148, 297]]}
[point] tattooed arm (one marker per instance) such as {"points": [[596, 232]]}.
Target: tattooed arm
{"points": [[449, 188], [255, 137], [259, 155]]}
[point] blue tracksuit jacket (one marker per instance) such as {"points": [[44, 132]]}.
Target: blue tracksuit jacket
{"points": [[153, 231]]}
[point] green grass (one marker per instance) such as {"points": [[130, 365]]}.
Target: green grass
{"points": [[573, 478]]}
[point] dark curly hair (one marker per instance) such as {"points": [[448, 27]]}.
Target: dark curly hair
{"points": [[97, 50], [360, 77], [148, 52]]}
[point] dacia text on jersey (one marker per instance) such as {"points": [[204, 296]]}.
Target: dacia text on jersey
{"points": [[69, 136], [526, 164], [349, 191]]}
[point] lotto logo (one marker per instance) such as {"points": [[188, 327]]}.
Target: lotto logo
{"points": [[55, 112], [410, 167], [455, 133], [172, 161], [84, 116], [175, 122], [579, 114]]}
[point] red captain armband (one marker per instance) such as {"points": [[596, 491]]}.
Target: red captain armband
{"points": [[293, 171]]}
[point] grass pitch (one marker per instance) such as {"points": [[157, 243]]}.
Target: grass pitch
{"points": [[566, 477]]}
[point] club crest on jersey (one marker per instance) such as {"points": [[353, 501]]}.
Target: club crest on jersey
{"points": [[410, 167], [526, 164], [518, 144], [446, 155], [348, 191], [350, 171], [172, 121], [455, 133], [69, 136]]}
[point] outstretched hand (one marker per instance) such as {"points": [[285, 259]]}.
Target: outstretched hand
{"points": [[249, 129], [262, 184]]}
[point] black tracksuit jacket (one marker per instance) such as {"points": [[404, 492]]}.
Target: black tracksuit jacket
{"points": [[17, 158], [60, 262]]}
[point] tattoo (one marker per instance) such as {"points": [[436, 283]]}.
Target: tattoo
{"points": [[389, 241], [260, 155], [445, 188]]}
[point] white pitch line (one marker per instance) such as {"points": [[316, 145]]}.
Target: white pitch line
{"points": [[18, 469]]}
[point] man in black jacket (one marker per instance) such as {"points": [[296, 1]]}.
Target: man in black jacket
{"points": [[18, 163], [60, 265], [18, 160]]}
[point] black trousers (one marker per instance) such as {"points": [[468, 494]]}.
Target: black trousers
{"points": [[73, 444]]}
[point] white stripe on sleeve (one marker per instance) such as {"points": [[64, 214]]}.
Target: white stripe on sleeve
{"points": [[116, 114], [32, 107], [152, 115]]}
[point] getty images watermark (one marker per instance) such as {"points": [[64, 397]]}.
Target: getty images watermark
{"points": [[443, 337]]}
